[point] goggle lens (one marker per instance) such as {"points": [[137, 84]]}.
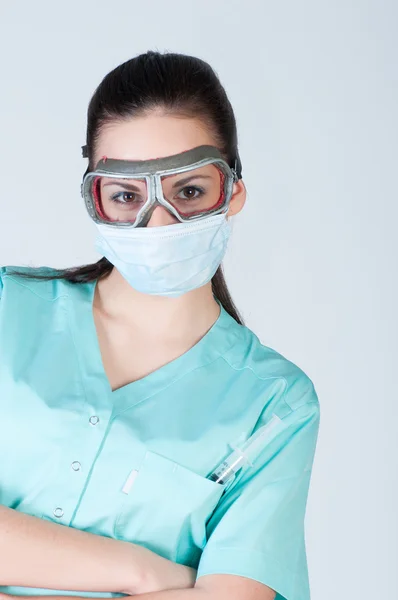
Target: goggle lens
{"points": [[194, 192]]}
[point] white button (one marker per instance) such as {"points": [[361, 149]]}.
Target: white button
{"points": [[76, 465], [58, 512], [94, 420]]}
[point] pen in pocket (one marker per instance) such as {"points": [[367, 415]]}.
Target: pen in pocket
{"points": [[241, 456]]}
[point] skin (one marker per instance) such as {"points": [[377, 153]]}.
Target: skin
{"points": [[129, 323], [175, 324]]}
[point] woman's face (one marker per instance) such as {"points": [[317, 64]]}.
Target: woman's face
{"points": [[155, 136]]}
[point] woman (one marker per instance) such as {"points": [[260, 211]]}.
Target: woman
{"points": [[125, 384]]}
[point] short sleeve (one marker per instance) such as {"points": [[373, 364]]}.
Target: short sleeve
{"points": [[257, 528]]}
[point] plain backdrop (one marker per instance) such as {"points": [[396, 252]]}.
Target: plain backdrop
{"points": [[312, 263]]}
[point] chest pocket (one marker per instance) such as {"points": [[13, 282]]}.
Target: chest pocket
{"points": [[166, 509]]}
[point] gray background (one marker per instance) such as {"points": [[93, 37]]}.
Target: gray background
{"points": [[312, 260]]}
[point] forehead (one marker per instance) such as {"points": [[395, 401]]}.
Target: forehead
{"points": [[153, 136]]}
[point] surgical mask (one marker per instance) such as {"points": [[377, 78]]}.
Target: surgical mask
{"points": [[167, 260]]}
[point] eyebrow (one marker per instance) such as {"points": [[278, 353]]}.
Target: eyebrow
{"points": [[187, 179], [134, 188]]}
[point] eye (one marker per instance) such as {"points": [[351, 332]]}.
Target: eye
{"points": [[125, 198], [189, 192]]}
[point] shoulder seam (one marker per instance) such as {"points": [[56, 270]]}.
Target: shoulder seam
{"points": [[254, 373], [281, 378], [278, 377]]}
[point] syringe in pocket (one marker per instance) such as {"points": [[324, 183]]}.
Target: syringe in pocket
{"points": [[242, 455]]}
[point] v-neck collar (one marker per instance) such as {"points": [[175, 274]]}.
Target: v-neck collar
{"points": [[218, 339]]}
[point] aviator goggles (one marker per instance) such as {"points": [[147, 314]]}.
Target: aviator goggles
{"points": [[191, 185]]}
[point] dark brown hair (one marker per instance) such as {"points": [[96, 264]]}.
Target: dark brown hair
{"points": [[180, 85]]}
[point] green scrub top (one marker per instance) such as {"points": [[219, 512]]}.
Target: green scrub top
{"points": [[132, 464]]}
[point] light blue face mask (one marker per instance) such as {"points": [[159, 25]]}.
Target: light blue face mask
{"points": [[167, 260]]}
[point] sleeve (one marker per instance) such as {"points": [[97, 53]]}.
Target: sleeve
{"points": [[257, 528], [2, 271]]}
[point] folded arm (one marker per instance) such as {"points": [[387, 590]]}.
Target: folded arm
{"points": [[38, 553], [208, 587]]}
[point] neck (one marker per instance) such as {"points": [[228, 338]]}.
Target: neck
{"points": [[161, 318]]}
